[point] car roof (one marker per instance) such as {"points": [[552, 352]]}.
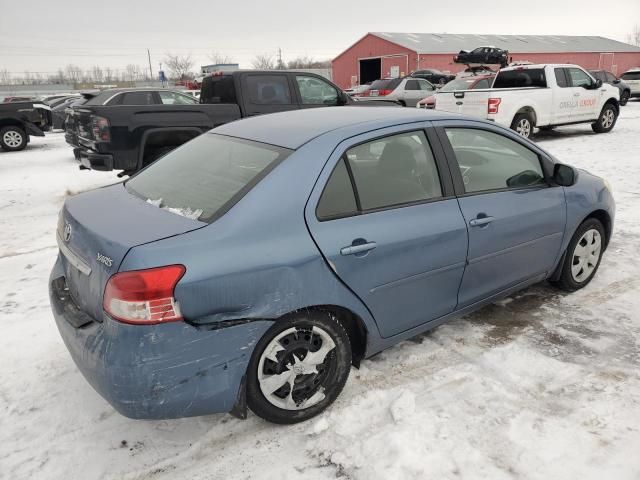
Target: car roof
{"points": [[295, 128]]}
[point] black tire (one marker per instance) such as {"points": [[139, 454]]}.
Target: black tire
{"points": [[13, 138], [329, 379], [607, 119], [624, 98], [402, 103], [547, 128], [567, 281], [523, 124]]}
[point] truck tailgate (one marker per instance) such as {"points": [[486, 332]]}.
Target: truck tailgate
{"points": [[465, 102]]}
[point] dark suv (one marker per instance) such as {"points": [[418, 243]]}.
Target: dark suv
{"points": [[611, 79]]}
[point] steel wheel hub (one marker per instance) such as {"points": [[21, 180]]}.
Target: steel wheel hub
{"points": [[295, 366], [586, 255], [12, 139]]}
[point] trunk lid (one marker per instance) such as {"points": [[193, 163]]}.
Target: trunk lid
{"points": [[96, 230]]}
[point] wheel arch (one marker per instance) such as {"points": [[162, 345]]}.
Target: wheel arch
{"points": [[613, 101], [12, 122], [604, 218], [529, 110]]}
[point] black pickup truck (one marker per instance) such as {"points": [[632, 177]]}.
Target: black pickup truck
{"points": [[20, 120], [126, 129]]}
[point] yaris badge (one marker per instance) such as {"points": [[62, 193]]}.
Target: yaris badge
{"points": [[67, 232], [104, 260]]}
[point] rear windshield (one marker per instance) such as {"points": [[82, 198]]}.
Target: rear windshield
{"points": [[459, 84], [631, 76], [386, 84], [526, 77], [205, 177], [218, 89]]}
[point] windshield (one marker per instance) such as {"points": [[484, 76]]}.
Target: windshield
{"points": [[459, 84], [205, 177]]}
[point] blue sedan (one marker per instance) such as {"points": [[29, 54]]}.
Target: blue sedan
{"points": [[252, 266]]}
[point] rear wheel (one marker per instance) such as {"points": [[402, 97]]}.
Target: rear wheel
{"points": [[606, 120], [583, 255], [523, 124], [298, 368], [13, 138], [624, 98]]}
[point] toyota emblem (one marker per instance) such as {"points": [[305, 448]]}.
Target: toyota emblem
{"points": [[67, 232]]}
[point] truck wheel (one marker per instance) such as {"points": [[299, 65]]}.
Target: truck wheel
{"points": [[523, 124], [13, 138], [606, 120], [624, 98]]}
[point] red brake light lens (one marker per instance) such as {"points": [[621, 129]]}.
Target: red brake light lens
{"points": [[144, 296], [384, 92], [493, 105]]}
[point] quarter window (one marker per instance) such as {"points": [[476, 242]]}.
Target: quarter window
{"points": [[268, 90], [314, 91], [394, 170], [338, 199], [489, 161]]}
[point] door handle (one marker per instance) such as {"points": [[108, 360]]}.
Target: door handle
{"points": [[358, 248], [479, 222]]}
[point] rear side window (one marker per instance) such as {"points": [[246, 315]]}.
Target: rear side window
{"points": [[631, 76], [610, 77], [268, 90], [205, 177], [173, 98], [338, 199], [525, 77], [218, 89], [561, 77], [394, 170], [138, 98], [489, 161], [386, 84]]}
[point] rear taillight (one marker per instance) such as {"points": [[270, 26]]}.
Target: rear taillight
{"points": [[144, 296], [100, 129], [493, 105], [384, 92]]}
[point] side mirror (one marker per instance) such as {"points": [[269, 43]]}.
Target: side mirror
{"points": [[564, 175], [598, 83], [343, 98]]}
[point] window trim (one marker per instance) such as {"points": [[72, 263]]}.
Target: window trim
{"points": [[546, 165], [439, 157]]}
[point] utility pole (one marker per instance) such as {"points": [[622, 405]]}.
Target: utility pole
{"points": [[150, 69], [280, 65]]}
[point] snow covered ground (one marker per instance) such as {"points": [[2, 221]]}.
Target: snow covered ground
{"points": [[543, 385]]}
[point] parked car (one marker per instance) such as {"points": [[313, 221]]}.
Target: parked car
{"points": [[632, 78], [459, 84], [475, 71], [358, 90], [19, 99], [19, 121], [542, 96], [127, 129], [59, 109], [486, 55], [407, 91], [433, 76], [608, 77], [193, 288]]}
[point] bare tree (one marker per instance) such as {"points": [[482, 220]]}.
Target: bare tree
{"points": [[73, 73], [97, 74], [307, 62], [179, 65], [263, 62], [5, 77], [108, 74], [132, 72], [219, 59], [634, 37]]}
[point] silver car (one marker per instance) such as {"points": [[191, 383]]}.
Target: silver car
{"points": [[407, 91]]}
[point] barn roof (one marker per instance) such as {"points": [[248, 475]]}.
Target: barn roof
{"points": [[452, 43]]}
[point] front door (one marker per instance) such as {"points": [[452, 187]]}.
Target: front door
{"points": [[514, 217], [385, 218], [587, 98]]}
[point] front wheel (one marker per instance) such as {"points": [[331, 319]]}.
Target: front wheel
{"points": [[298, 368], [13, 138], [606, 120], [523, 124], [624, 98], [583, 256]]}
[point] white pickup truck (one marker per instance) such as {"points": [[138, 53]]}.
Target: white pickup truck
{"points": [[542, 96]]}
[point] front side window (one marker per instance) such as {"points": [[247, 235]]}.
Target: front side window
{"points": [[489, 161], [610, 77], [394, 170], [173, 98], [579, 78], [204, 177], [268, 90], [425, 86], [314, 91]]}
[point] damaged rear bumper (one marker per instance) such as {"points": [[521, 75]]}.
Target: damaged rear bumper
{"points": [[160, 371]]}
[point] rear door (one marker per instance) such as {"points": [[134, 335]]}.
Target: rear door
{"points": [[384, 216], [565, 97], [515, 219], [267, 92]]}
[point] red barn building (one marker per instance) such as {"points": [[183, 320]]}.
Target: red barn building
{"points": [[384, 54]]}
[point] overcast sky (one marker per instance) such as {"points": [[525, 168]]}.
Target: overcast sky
{"points": [[40, 36]]}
